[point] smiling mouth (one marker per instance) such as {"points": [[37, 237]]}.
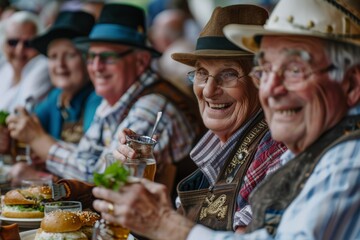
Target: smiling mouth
{"points": [[289, 112], [219, 106]]}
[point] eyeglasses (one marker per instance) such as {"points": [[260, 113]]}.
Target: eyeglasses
{"points": [[226, 78], [13, 42], [107, 57], [293, 74]]}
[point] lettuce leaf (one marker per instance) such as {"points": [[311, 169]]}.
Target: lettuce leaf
{"points": [[114, 176]]}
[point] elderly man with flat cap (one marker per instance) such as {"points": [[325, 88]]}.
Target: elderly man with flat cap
{"points": [[308, 73]]}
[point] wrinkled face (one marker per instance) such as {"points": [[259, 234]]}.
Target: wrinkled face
{"points": [[66, 65], [225, 109], [15, 46], [299, 116], [111, 75]]}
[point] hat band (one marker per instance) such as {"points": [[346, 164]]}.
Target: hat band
{"points": [[116, 32], [216, 43]]}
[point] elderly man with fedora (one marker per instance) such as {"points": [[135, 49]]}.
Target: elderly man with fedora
{"points": [[308, 73], [118, 63], [237, 152]]}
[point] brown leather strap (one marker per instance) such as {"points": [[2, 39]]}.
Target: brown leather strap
{"points": [[79, 191]]}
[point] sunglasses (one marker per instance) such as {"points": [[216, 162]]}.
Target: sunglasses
{"points": [[13, 42], [107, 57]]}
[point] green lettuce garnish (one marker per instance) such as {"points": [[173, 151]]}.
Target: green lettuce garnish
{"points": [[114, 176]]}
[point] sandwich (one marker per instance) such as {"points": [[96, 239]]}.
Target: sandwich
{"points": [[60, 224], [26, 203], [88, 220]]}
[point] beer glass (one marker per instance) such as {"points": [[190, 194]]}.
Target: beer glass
{"points": [[104, 230], [144, 148]]}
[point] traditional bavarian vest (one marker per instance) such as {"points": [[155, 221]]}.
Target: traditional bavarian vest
{"points": [[272, 197], [214, 206]]}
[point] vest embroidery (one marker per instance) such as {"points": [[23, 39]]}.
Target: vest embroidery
{"points": [[216, 207]]}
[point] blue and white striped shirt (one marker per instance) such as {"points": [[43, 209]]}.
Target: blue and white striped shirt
{"points": [[328, 207]]}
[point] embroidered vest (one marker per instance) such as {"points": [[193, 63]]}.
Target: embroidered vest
{"points": [[271, 198], [215, 206]]}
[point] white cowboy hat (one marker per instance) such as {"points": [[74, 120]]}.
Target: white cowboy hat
{"points": [[337, 19]]}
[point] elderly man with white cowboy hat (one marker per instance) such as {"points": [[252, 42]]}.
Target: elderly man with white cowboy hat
{"points": [[308, 73], [118, 62]]}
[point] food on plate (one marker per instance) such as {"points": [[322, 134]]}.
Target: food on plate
{"points": [[88, 220], [60, 224], [26, 203]]}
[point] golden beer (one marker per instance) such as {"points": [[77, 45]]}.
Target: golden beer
{"points": [[118, 232], [150, 169]]}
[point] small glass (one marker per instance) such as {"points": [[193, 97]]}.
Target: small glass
{"points": [[103, 230], [73, 206], [144, 148]]}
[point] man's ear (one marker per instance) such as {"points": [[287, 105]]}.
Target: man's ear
{"points": [[143, 59], [353, 90]]}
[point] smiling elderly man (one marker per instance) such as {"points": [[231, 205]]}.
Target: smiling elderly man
{"points": [[308, 73]]}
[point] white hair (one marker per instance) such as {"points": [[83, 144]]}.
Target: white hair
{"points": [[343, 56], [25, 17], [19, 18]]}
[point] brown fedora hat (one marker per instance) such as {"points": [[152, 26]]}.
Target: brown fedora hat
{"points": [[212, 42]]}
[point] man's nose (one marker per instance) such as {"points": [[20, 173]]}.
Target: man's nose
{"points": [[274, 83]]}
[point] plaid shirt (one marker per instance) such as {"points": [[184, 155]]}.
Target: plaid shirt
{"points": [[176, 135], [209, 155]]}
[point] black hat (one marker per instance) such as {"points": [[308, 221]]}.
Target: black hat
{"points": [[68, 24], [120, 24]]}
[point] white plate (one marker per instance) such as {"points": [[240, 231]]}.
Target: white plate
{"points": [[22, 222], [28, 235]]}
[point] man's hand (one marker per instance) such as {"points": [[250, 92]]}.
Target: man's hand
{"points": [[144, 208], [23, 126], [124, 151]]}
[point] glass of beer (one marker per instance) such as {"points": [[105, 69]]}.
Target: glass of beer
{"points": [[144, 149], [144, 165]]}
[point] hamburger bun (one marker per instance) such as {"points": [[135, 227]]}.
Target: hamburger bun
{"points": [[14, 212], [88, 218], [14, 197], [37, 192], [60, 225], [61, 221]]}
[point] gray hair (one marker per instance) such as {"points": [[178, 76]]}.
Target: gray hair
{"points": [[343, 56]]}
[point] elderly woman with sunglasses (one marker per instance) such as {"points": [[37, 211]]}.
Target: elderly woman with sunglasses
{"points": [[237, 152], [23, 71], [68, 111]]}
